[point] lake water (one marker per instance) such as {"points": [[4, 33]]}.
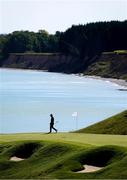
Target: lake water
{"points": [[28, 97]]}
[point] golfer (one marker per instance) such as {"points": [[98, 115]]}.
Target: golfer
{"points": [[52, 124]]}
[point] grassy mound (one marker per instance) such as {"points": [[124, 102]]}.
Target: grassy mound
{"points": [[114, 125], [51, 160], [61, 155], [24, 150]]}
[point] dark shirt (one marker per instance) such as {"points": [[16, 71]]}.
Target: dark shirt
{"points": [[52, 120]]}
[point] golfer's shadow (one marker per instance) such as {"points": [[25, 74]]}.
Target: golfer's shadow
{"points": [[46, 133], [49, 133]]}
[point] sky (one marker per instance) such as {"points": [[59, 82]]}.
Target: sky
{"points": [[57, 15]]}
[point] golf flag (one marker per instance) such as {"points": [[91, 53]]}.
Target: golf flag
{"points": [[74, 114]]}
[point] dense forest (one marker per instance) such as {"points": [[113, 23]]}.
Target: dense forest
{"points": [[82, 41], [25, 41]]}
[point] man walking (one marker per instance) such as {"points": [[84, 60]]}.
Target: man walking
{"points": [[52, 124]]}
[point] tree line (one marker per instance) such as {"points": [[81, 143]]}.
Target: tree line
{"points": [[83, 41], [94, 38]]}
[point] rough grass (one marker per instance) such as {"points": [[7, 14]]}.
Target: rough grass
{"points": [[114, 125], [61, 160], [59, 156]]}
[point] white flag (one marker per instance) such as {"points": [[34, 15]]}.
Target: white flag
{"points": [[75, 114]]}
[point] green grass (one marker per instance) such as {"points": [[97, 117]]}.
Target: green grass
{"points": [[121, 51], [114, 125], [71, 138], [34, 53], [56, 156], [116, 51], [59, 156]]}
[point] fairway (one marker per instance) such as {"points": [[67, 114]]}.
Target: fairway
{"points": [[73, 138]]}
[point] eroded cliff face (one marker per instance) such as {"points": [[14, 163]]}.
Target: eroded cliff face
{"points": [[54, 62], [113, 65], [109, 64]]}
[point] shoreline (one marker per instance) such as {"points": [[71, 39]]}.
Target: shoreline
{"points": [[120, 82]]}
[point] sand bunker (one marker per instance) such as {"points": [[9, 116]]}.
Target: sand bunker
{"points": [[14, 158], [88, 168]]}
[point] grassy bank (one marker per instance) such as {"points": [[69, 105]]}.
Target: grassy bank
{"points": [[61, 155], [114, 125]]}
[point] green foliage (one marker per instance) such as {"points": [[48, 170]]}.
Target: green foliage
{"points": [[114, 125], [81, 40], [25, 41], [93, 38]]}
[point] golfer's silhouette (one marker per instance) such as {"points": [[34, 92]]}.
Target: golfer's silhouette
{"points": [[52, 124]]}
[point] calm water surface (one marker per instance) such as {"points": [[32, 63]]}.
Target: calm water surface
{"points": [[28, 97]]}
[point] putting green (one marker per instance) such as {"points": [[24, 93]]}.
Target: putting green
{"points": [[73, 138]]}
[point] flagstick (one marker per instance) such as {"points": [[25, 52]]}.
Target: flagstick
{"points": [[75, 115], [76, 119]]}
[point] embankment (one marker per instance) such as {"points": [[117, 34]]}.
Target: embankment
{"points": [[108, 64], [53, 62]]}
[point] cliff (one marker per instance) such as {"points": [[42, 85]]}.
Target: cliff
{"points": [[108, 64], [54, 62]]}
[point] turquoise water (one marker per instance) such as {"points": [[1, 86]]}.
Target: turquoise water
{"points": [[28, 97]]}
